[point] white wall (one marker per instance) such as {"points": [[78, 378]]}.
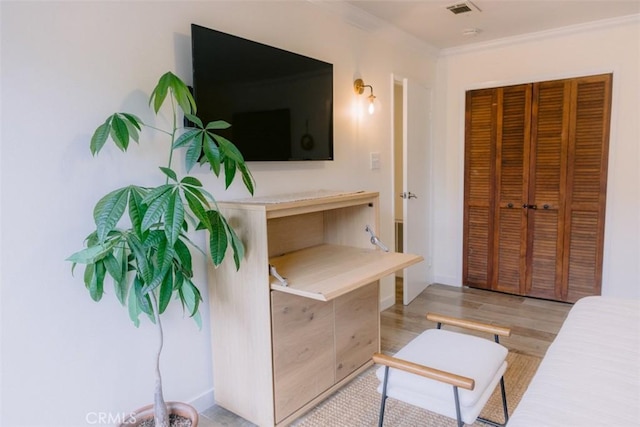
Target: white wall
{"points": [[65, 67], [614, 47]]}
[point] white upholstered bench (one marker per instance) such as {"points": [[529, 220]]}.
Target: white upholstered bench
{"points": [[449, 373]]}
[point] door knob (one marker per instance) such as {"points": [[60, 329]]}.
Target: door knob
{"points": [[408, 195]]}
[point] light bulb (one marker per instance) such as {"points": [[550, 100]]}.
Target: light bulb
{"points": [[371, 105]]}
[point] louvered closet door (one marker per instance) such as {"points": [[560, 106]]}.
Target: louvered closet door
{"points": [[497, 141], [479, 186], [535, 187], [545, 208], [512, 160], [586, 186]]}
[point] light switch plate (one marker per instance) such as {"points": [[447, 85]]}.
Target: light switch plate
{"points": [[375, 161]]}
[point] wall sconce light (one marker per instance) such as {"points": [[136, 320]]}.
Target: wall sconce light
{"points": [[358, 87]]}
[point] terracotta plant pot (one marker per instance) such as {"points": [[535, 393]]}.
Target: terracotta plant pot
{"points": [[176, 408]]}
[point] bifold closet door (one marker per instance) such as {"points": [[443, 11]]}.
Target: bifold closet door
{"points": [[535, 187], [585, 202], [496, 167], [480, 131], [547, 188], [570, 135]]}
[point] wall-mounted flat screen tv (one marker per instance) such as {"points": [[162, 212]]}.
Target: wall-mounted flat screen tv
{"points": [[279, 103]]}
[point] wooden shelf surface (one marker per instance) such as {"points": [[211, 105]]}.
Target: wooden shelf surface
{"points": [[325, 272]]}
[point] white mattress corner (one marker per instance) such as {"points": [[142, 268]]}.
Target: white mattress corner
{"points": [[590, 375]]}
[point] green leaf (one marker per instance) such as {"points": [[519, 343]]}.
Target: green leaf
{"points": [[199, 193], [247, 178], [166, 290], [160, 92], [193, 153], [89, 271], [165, 260], [189, 180], [96, 285], [187, 137], [159, 201], [100, 137], [190, 297], [184, 257], [195, 120], [236, 244], [229, 172], [202, 194], [137, 209], [229, 149], [183, 96], [199, 210], [119, 132], [121, 286], [173, 217], [217, 237], [132, 129], [169, 172], [91, 254], [155, 192], [114, 266], [143, 299], [134, 120], [218, 124], [109, 210], [212, 153], [181, 93], [141, 263], [132, 304]]}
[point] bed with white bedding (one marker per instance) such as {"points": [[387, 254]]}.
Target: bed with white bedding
{"points": [[590, 375]]}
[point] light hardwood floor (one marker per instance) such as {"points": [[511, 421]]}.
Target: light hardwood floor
{"points": [[534, 325]]}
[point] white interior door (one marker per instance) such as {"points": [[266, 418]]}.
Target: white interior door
{"points": [[416, 184]]}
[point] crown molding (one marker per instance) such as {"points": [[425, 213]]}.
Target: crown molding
{"points": [[525, 38]]}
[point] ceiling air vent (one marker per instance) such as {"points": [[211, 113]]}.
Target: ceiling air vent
{"points": [[463, 8]]}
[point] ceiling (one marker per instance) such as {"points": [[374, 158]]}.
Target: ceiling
{"points": [[431, 21]]}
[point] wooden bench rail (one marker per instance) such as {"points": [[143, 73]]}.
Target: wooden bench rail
{"points": [[425, 371], [469, 324]]}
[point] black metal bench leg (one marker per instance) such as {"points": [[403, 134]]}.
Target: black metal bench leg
{"points": [[504, 408], [457, 399], [384, 396]]}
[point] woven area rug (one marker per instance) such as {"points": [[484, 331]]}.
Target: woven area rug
{"points": [[357, 404]]}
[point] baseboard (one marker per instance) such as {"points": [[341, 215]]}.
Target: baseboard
{"points": [[447, 280], [203, 402], [387, 302]]}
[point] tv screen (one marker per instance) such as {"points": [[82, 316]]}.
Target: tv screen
{"points": [[279, 103]]}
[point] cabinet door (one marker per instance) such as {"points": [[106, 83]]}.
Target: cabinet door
{"points": [[303, 350], [356, 328]]}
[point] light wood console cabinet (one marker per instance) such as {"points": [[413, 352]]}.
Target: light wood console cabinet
{"points": [[280, 349]]}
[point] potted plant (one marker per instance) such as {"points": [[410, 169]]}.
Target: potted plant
{"points": [[149, 257]]}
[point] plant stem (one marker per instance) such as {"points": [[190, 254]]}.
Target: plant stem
{"points": [[160, 415], [173, 135]]}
